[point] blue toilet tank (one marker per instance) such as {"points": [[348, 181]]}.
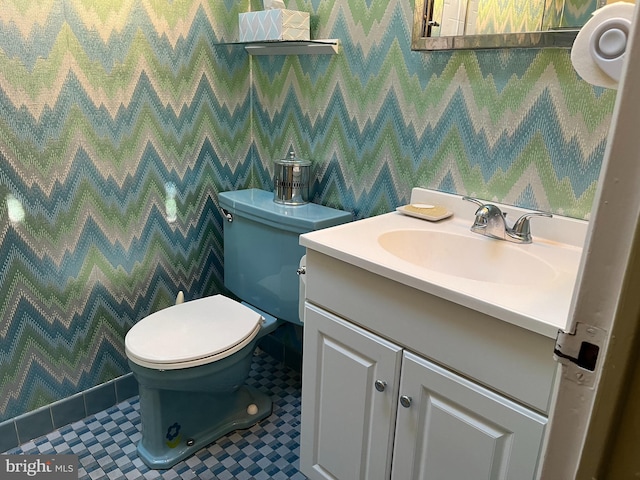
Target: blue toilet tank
{"points": [[261, 250]]}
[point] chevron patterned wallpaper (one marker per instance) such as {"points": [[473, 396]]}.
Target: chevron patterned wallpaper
{"points": [[518, 126], [120, 120]]}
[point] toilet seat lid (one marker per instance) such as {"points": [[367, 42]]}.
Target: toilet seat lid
{"points": [[192, 333]]}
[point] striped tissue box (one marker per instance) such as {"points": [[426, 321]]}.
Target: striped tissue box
{"points": [[271, 25]]}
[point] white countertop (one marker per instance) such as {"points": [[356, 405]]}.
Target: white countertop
{"points": [[541, 307]]}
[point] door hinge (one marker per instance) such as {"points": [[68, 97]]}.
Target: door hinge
{"points": [[579, 352]]}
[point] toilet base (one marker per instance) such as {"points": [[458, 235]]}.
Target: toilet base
{"points": [[176, 424]]}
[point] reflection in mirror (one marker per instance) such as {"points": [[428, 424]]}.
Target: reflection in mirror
{"points": [[14, 209], [170, 204], [450, 24]]}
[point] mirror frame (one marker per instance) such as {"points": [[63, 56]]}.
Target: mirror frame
{"points": [[548, 39]]}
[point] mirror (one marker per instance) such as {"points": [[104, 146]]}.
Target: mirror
{"points": [[469, 24]]}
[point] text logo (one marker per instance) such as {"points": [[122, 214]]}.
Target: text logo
{"points": [[49, 467]]}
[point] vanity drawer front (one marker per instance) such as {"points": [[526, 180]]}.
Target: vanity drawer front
{"points": [[508, 359]]}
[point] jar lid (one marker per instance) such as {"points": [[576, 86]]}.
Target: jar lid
{"points": [[291, 159]]}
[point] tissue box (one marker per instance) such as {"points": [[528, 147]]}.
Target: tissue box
{"points": [[277, 24]]}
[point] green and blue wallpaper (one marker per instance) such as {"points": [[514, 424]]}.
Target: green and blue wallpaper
{"points": [[120, 120]]}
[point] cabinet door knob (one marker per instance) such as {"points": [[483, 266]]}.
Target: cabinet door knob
{"points": [[380, 385], [405, 401]]}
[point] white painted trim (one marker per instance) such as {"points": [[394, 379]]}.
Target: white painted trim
{"points": [[600, 290]]}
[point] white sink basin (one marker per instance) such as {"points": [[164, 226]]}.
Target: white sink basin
{"points": [[473, 258], [526, 285]]}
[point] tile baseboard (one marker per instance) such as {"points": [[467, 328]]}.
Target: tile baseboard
{"points": [[44, 420]]}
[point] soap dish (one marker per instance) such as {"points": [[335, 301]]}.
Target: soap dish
{"points": [[433, 213]]}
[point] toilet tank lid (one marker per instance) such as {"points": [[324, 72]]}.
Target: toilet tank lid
{"points": [[258, 205], [191, 333]]}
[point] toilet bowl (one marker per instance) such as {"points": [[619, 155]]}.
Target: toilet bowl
{"points": [[191, 360]]}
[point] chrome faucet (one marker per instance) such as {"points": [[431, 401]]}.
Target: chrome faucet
{"points": [[490, 221]]}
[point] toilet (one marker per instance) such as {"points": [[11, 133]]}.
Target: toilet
{"points": [[191, 360]]}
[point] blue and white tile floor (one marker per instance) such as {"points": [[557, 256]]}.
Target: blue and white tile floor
{"points": [[106, 442]]}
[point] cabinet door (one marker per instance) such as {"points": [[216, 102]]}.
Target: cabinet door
{"points": [[347, 423], [454, 429]]}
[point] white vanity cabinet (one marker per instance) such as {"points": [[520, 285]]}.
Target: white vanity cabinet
{"points": [[365, 398], [399, 384]]}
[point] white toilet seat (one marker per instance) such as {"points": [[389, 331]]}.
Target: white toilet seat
{"points": [[192, 334]]}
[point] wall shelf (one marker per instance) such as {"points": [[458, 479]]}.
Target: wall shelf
{"points": [[293, 47]]}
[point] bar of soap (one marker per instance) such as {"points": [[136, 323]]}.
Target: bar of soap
{"points": [[425, 211]]}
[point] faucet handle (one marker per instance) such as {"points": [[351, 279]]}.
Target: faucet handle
{"points": [[485, 211], [489, 208], [522, 227], [474, 200]]}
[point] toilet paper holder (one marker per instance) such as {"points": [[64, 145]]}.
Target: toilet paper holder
{"points": [[600, 48], [608, 45]]}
